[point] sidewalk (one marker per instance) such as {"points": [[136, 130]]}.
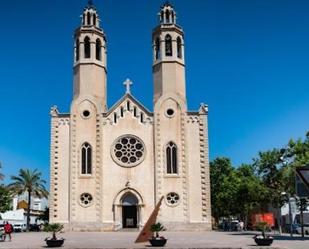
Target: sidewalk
{"points": [[83, 240]]}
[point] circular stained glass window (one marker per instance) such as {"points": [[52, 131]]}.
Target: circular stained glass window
{"points": [[128, 151], [86, 199], [172, 198]]}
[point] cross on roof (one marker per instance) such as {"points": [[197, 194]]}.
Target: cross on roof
{"points": [[128, 83]]}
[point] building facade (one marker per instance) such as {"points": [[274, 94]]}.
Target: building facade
{"points": [[110, 166]]}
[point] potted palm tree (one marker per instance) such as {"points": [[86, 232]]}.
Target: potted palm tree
{"points": [[53, 241], [156, 239], [263, 239]]}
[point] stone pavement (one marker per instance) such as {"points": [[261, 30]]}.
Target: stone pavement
{"points": [[183, 240]]}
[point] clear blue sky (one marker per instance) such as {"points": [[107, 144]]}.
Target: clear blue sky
{"points": [[248, 60]]}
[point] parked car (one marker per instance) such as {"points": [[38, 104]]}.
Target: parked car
{"points": [[19, 227], [306, 229], [35, 228]]}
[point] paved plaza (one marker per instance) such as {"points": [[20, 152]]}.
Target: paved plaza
{"points": [[175, 240]]}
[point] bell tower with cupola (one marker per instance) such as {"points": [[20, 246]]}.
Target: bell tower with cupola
{"points": [[168, 55], [90, 58]]}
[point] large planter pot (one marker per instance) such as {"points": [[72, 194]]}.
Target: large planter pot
{"points": [[54, 242], [263, 241], [160, 242]]}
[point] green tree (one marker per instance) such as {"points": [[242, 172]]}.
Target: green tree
{"points": [[30, 182], [5, 199], [224, 185], [251, 192]]}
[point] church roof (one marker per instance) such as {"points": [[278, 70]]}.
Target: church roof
{"points": [[123, 99]]}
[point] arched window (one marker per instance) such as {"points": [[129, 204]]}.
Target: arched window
{"points": [[173, 17], [98, 50], [88, 19], [157, 49], [84, 17], [87, 47], [86, 158], [168, 46], [77, 50], [94, 19], [171, 158], [162, 16], [179, 48], [167, 16]]}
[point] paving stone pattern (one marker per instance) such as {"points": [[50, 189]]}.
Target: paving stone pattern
{"points": [[179, 240]]}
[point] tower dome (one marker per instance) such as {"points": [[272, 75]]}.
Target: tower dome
{"points": [[167, 14], [90, 16]]}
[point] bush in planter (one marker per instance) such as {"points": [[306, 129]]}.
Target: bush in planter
{"points": [[157, 240], [263, 240], [54, 228]]}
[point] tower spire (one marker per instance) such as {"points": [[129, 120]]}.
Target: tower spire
{"points": [[168, 55], [90, 57]]}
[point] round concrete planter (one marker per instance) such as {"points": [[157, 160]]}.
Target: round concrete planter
{"points": [[54, 242], [160, 242], [263, 241]]}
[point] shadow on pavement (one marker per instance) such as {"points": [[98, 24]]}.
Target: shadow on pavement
{"points": [[276, 237]]}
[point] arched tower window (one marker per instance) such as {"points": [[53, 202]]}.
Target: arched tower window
{"points": [[98, 50], [84, 17], [179, 48], [87, 47], [173, 17], [157, 49], [88, 19], [171, 158], [168, 46], [94, 19], [77, 50], [86, 152], [162, 16], [167, 16]]}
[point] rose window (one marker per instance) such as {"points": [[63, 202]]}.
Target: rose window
{"points": [[172, 198], [128, 151], [86, 199]]}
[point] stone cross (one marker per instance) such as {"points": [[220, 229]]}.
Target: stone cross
{"points": [[128, 83]]}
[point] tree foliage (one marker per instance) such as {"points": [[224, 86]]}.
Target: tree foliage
{"points": [[237, 191], [5, 199], [30, 182]]}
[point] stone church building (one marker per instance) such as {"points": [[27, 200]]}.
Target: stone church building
{"points": [[110, 166]]}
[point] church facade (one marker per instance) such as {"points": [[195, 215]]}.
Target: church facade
{"points": [[110, 166]]}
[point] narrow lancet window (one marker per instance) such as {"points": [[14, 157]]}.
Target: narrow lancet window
{"points": [[134, 111], [88, 19], [87, 47], [98, 50], [171, 158], [167, 16], [86, 159], [168, 46], [77, 50], [142, 117], [179, 48], [94, 19], [157, 48]]}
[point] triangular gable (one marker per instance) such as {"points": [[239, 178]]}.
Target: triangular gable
{"points": [[133, 100]]}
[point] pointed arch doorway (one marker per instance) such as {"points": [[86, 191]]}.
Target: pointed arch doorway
{"points": [[129, 211]]}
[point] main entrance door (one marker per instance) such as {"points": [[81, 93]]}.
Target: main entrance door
{"points": [[129, 211]]}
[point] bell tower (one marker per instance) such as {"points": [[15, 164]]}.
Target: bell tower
{"points": [[90, 58], [168, 55]]}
